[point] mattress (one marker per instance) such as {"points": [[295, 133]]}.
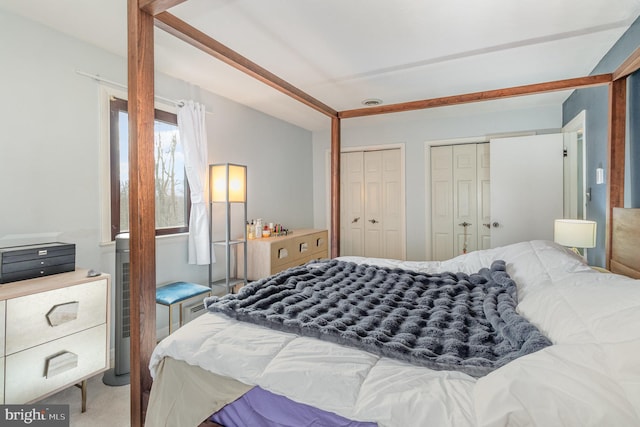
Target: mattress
{"points": [[588, 377]]}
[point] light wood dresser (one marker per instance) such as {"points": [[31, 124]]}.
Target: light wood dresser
{"points": [[270, 255], [54, 334]]}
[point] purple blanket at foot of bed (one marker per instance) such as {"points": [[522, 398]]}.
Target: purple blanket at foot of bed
{"points": [[261, 408]]}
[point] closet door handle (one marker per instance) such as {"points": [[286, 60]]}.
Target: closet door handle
{"points": [[373, 221], [465, 224], [487, 225], [356, 219]]}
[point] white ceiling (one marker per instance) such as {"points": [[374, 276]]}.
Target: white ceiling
{"points": [[342, 52]]}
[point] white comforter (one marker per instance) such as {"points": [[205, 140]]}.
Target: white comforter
{"points": [[589, 377]]}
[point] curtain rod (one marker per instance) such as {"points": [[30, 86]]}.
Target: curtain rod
{"points": [[98, 78]]}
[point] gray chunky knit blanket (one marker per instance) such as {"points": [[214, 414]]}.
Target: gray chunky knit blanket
{"points": [[448, 321]]}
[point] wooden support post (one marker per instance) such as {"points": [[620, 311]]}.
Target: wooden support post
{"points": [[142, 274], [335, 187], [615, 161]]}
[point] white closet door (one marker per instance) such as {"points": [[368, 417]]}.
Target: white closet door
{"points": [[484, 195], [442, 202], [352, 202], [465, 201], [526, 188], [392, 205], [372, 204]]}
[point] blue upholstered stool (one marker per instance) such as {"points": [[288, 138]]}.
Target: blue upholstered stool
{"points": [[177, 293]]}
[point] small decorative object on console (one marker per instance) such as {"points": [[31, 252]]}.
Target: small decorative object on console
{"points": [[31, 261]]}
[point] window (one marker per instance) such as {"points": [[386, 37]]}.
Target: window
{"points": [[172, 199]]}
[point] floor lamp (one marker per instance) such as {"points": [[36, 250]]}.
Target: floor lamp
{"points": [[228, 185]]}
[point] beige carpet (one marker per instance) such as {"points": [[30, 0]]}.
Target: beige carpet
{"points": [[106, 406]]}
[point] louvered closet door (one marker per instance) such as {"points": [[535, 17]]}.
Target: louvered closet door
{"points": [[372, 215]]}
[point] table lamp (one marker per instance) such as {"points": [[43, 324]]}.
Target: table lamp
{"points": [[575, 233]]}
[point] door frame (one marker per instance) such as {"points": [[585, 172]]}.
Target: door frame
{"points": [[579, 124], [403, 193]]}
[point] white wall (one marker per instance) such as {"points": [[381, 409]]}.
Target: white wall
{"points": [[414, 129], [50, 161]]}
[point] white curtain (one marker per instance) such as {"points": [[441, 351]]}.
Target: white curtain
{"points": [[193, 135]]}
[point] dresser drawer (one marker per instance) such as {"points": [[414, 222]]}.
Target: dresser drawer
{"points": [[38, 318], [283, 252], [311, 246], [33, 373], [321, 244]]}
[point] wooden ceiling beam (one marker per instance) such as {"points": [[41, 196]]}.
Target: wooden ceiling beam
{"points": [[629, 66], [576, 83], [185, 32], [155, 7]]}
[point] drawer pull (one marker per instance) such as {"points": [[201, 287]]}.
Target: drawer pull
{"points": [[319, 242], [63, 313], [304, 247], [283, 253], [60, 363]]}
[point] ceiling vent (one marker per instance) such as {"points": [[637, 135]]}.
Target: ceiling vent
{"points": [[371, 102]]}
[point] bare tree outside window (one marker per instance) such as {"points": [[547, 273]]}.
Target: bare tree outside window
{"points": [[171, 189], [169, 186]]}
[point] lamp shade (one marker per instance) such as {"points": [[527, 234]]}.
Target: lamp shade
{"points": [[228, 182], [575, 233]]}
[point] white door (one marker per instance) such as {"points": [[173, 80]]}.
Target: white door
{"points": [[570, 175], [372, 200], [484, 195], [576, 194], [373, 204], [392, 205], [460, 203], [442, 202], [465, 200], [526, 188], [573, 173], [352, 203]]}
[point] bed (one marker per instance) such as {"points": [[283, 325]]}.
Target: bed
{"points": [[588, 376]]}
